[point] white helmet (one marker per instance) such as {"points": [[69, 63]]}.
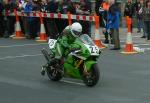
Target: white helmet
{"points": [[76, 29]]}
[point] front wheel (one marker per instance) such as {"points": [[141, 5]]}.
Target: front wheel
{"points": [[55, 72], [93, 76]]}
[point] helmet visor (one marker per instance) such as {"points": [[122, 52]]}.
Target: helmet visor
{"points": [[76, 33]]}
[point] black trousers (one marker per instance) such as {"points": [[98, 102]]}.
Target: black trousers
{"points": [[1, 25], [86, 27], [61, 24], [147, 29], [9, 25], [34, 27], [51, 28]]}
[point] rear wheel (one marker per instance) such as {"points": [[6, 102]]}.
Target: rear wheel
{"points": [[93, 76]]}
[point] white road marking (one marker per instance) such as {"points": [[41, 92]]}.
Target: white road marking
{"points": [[147, 49], [136, 36], [19, 56], [142, 44], [141, 49], [71, 82], [8, 46]]}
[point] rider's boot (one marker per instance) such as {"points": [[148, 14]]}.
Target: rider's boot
{"points": [[44, 69]]}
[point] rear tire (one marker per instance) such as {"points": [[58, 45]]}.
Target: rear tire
{"points": [[93, 77]]}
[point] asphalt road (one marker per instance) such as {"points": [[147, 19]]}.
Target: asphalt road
{"points": [[124, 78]]}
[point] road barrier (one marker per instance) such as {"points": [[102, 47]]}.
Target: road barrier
{"points": [[68, 16], [50, 15]]}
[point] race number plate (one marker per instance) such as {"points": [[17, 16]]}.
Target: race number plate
{"points": [[52, 43], [94, 50]]}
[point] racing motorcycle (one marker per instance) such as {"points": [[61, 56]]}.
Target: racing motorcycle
{"points": [[79, 63]]}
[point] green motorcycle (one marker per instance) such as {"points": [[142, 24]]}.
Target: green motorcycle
{"points": [[79, 63]]}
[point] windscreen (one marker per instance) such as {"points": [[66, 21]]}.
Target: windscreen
{"points": [[86, 39]]}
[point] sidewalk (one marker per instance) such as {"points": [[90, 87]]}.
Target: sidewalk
{"points": [[136, 37]]}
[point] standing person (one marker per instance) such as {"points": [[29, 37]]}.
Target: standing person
{"points": [[98, 4], [146, 17], [35, 30], [28, 9], [50, 6], [129, 9], [9, 21], [85, 9], [104, 13], [140, 6], [113, 22], [62, 8], [23, 8], [1, 20], [71, 7]]}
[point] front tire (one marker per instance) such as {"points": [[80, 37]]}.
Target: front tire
{"points": [[55, 72], [93, 76]]}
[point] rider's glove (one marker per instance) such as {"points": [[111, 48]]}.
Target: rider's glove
{"points": [[74, 49]]}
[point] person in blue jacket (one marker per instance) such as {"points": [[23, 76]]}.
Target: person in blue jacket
{"points": [[113, 22], [27, 9], [33, 30]]}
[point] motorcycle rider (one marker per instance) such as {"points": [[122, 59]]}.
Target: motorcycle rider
{"points": [[65, 41], [69, 35]]}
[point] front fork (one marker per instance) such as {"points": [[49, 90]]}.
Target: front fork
{"points": [[48, 58], [51, 63], [87, 66], [85, 72], [44, 67]]}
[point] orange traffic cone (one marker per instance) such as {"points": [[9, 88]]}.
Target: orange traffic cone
{"points": [[129, 49], [69, 18], [18, 33], [43, 36], [97, 40]]}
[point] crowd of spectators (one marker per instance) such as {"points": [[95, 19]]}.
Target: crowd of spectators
{"points": [[141, 9], [54, 26], [31, 25]]}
